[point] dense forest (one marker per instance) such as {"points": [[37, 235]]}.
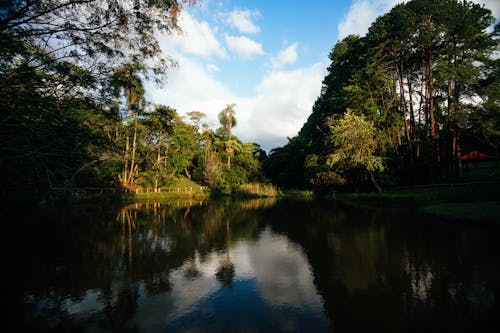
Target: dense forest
{"points": [[74, 112], [400, 106]]}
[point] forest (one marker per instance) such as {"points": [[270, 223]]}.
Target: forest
{"points": [[74, 112], [398, 106]]}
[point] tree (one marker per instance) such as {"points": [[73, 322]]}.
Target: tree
{"points": [[182, 149], [128, 80], [424, 76], [98, 35], [213, 169], [59, 120], [196, 117], [228, 120], [354, 143], [159, 124]]}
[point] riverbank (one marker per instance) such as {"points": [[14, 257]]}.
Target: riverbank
{"points": [[180, 189], [184, 188], [463, 203]]}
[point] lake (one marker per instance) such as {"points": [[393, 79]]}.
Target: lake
{"points": [[261, 265]]}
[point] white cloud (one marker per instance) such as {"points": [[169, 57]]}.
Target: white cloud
{"points": [[197, 38], [361, 15], [284, 277], [243, 20], [270, 111], [244, 47], [212, 68], [287, 56], [283, 102], [192, 87]]}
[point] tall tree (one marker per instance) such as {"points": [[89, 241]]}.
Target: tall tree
{"points": [[160, 126], [100, 35], [128, 80], [417, 75], [227, 120], [466, 46]]}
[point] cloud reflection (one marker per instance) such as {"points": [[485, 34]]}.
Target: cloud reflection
{"points": [[277, 268], [283, 275]]}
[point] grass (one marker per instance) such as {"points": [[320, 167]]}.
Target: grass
{"points": [[182, 188], [487, 212], [297, 194], [256, 190], [471, 203]]}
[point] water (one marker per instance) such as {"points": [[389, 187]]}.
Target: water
{"points": [[249, 266]]}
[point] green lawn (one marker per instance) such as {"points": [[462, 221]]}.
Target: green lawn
{"points": [[471, 203], [487, 212]]}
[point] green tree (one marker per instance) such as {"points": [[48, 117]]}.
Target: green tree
{"points": [[417, 75], [182, 150], [160, 127], [213, 169], [228, 120], [128, 80], [59, 120], [100, 35], [354, 143]]}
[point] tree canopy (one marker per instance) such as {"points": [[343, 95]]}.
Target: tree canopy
{"points": [[425, 76]]}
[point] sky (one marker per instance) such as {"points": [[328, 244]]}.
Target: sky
{"points": [[267, 57]]}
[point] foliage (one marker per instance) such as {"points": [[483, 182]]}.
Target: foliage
{"points": [[74, 112], [64, 66], [256, 190], [353, 138], [425, 77], [99, 36]]}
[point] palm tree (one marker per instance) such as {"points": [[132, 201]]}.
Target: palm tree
{"points": [[228, 121]]}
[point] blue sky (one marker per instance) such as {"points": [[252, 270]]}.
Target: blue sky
{"points": [[267, 57]]}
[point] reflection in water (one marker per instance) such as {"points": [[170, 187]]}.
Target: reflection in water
{"points": [[225, 272], [260, 265]]}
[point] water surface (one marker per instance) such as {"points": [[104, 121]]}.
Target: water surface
{"points": [[249, 266]]}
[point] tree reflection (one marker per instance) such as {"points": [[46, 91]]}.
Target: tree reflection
{"points": [[425, 274], [117, 254], [85, 267], [225, 273], [119, 309], [192, 272]]}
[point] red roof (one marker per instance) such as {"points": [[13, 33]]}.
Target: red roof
{"points": [[475, 155]]}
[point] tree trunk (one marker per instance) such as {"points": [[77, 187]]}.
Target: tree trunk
{"points": [[158, 162], [134, 146], [374, 182], [450, 141], [456, 128], [412, 111], [399, 72], [433, 137]]}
